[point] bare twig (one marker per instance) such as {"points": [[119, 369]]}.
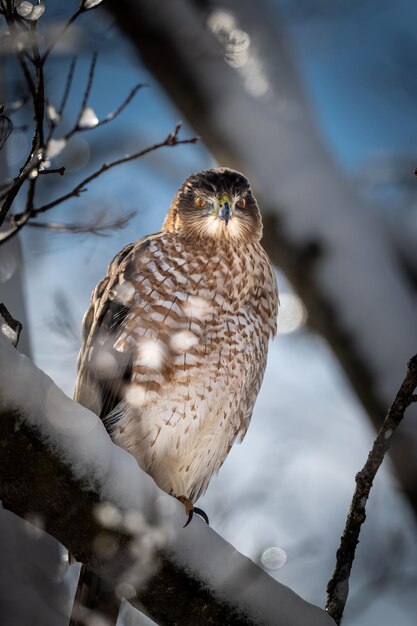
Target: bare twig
{"points": [[111, 116], [338, 586], [36, 89], [169, 141], [19, 220], [6, 127], [39, 107], [55, 121], [37, 161], [4, 187], [99, 225], [62, 32], [68, 84], [86, 95], [39, 100], [57, 170]]}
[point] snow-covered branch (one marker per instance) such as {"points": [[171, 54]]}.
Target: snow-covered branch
{"points": [[58, 465]]}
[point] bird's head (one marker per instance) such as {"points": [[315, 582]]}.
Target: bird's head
{"points": [[216, 203]]}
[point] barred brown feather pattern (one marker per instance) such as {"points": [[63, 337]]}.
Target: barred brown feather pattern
{"points": [[175, 348]]}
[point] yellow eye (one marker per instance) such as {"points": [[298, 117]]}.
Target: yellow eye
{"points": [[241, 203], [200, 202]]}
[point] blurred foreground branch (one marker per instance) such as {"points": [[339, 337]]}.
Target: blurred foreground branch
{"points": [[338, 587], [59, 466]]}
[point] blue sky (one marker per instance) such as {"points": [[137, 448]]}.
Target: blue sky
{"points": [[352, 60]]}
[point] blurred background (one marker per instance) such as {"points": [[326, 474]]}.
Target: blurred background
{"points": [[315, 101]]}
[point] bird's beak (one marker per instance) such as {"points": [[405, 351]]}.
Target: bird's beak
{"points": [[225, 209]]}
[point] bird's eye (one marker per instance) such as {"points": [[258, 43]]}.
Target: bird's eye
{"points": [[200, 202], [241, 203]]}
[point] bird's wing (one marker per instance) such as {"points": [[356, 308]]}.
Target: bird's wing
{"points": [[248, 399], [103, 369], [265, 311]]}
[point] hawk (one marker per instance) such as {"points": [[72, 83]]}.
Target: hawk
{"points": [[176, 337]]}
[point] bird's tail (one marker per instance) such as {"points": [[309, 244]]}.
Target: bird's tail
{"points": [[94, 596]]}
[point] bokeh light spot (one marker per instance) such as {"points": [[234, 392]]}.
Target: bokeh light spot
{"points": [[292, 314], [274, 558]]}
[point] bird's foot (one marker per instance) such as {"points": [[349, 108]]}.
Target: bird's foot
{"points": [[190, 509]]}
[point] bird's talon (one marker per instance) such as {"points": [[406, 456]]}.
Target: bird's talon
{"points": [[190, 517], [202, 514], [190, 510]]}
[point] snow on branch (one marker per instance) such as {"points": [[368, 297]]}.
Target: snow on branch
{"points": [[58, 465]]}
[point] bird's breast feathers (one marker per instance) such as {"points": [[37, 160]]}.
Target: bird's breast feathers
{"points": [[195, 325]]}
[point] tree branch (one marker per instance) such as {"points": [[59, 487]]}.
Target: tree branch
{"points": [[77, 127], [21, 219], [100, 225], [170, 141], [59, 466], [43, 149], [338, 586], [61, 33]]}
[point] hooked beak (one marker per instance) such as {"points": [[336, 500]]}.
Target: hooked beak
{"points": [[225, 210]]}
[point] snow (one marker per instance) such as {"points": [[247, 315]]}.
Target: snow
{"points": [[130, 495], [73, 431]]}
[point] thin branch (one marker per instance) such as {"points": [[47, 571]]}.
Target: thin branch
{"points": [[61, 33], [170, 141], [6, 127], [58, 170], [6, 235], [111, 116], [39, 106], [17, 183], [19, 220], [338, 586], [67, 88], [39, 102], [86, 94], [68, 82], [11, 189], [98, 225], [36, 88], [85, 97], [30, 197], [4, 187]]}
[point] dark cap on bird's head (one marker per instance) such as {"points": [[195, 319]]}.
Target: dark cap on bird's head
{"points": [[216, 203]]}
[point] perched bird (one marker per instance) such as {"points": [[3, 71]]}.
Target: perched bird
{"points": [[176, 335]]}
